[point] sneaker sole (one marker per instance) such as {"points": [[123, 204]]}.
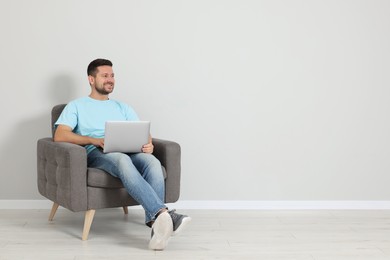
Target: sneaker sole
{"points": [[182, 226], [162, 229]]}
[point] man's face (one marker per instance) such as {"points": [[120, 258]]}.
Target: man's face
{"points": [[104, 80]]}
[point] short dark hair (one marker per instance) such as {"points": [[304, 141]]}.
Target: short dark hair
{"points": [[92, 67]]}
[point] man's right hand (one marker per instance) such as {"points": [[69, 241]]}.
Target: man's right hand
{"points": [[98, 142]]}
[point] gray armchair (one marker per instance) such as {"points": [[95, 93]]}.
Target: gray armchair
{"points": [[65, 179]]}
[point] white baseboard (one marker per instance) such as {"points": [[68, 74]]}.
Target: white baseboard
{"points": [[283, 205], [231, 205]]}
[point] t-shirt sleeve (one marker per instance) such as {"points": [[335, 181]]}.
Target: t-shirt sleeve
{"points": [[130, 114], [68, 116]]}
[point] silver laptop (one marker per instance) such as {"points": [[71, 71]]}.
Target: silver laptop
{"points": [[126, 136]]}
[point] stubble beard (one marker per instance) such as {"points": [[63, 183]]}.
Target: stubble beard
{"points": [[103, 91]]}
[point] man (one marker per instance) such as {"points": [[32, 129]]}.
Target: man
{"points": [[82, 122]]}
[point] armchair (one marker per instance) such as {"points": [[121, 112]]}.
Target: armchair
{"points": [[65, 179]]}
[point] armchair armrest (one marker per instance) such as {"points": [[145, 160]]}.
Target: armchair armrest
{"points": [[169, 153], [62, 173]]}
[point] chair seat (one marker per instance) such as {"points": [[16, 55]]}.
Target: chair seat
{"points": [[101, 179]]}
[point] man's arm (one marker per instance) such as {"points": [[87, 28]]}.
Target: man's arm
{"points": [[64, 134]]}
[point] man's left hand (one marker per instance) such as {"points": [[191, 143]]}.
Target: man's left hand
{"points": [[148, 148]]}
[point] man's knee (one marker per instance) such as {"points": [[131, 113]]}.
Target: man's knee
{"points": [[149, 159], [120, 159]]}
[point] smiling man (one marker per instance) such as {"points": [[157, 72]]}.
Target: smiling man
{"points": [[82, 122]]}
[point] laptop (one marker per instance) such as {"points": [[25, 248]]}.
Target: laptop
{"points": [[126, 136]]}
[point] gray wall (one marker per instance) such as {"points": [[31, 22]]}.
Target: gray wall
{"points": [[270, 100]]}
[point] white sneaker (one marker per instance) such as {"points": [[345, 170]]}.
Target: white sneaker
{"points": [[161, 231]]}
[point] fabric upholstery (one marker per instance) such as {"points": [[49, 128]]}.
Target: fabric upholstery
{"points": [[63, 176], [62, 173]]}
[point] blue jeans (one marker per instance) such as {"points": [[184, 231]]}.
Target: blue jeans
{"points": [[141, 175]]}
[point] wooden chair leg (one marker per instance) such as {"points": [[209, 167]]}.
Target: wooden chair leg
{"points": [[87, 223], [125, 209], [53, 211]]}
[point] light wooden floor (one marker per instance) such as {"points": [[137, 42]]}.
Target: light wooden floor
{"points": [[213, 234]]}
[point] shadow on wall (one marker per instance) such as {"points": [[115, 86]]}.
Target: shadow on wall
{"points": [[18, 153]]}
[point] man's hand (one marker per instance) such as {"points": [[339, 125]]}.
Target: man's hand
{"points": [[148, 148], [98, 142]]}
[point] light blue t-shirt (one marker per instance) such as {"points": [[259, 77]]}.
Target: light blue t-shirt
{"points": [[87, 116]]}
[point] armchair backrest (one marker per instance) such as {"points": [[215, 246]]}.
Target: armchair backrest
{"points": [[55, 114]]}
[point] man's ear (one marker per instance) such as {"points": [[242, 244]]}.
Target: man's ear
{"points": [[91, 79]]}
